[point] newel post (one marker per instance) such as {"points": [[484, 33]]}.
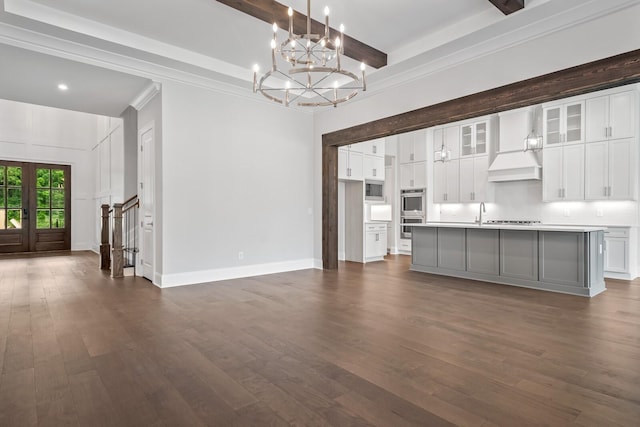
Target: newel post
{"points": [[118, 252], [105, 256]]}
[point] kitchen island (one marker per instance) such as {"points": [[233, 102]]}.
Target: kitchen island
{"points": [[565, 259]]}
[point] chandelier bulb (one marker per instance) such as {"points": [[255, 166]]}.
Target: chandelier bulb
{"points": [[275, 27], [326, 11], [342, 28], [256, 68], [337, 41], [273, 43], [290, 11], [363, 66]]}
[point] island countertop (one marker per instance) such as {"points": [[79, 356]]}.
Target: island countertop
{"points": [[533, 227]]}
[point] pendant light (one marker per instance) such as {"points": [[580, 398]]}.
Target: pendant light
{"points": [[533, 141], [443, 154]]}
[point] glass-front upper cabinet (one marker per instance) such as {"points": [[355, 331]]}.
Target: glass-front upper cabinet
{"points": [[474, 138], [564, 123]]}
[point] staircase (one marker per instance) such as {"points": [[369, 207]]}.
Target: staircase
{"points": [[122, 221]]}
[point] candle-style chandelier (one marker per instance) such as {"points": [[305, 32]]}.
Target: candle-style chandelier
{"points": [[312, 75]]}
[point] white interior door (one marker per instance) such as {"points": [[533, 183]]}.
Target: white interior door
{"points": [[146, 196]]}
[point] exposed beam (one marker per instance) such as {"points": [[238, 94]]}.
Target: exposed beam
{"points": [[271, 11], [508, 6], [613, 71], [606, 73]]}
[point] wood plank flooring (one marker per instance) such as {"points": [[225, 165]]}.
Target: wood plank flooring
{"points": [[365, 345]]}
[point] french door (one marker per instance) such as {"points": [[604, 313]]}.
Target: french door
{"points": [[35, 207]]}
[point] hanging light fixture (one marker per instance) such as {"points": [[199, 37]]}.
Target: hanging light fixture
{"points": [[533, 141], [443, 154], [314, 76]]}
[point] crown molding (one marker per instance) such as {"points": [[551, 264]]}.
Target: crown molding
{"points": [[146, 96]]}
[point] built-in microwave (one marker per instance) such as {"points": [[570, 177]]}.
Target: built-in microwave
{"points": [[374, 190]]}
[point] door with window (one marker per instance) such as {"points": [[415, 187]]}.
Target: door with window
{"points": [[35, 207]]}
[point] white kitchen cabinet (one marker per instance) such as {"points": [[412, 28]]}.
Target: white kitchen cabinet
{"points": [[413, 175], [563, 173], [611, 117], [374, 147], [374, 168], [616, 252], [446, 178], [564, 124], [474, 174], [350, 164], [412, 147], [474, 139], [450, 137], [610, 167], [375, 242]]}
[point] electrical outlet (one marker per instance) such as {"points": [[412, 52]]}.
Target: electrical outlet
{"points": [[567, 212], [240, 255], [599, 212]]}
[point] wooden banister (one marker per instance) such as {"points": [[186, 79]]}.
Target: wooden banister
{"points": [[118, 254], [105, 257]]}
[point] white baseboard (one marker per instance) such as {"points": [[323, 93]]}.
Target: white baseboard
{"points": [[317, 264], [204, 276], [393, 250]]}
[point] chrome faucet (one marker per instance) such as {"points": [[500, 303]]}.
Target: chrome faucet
{"points": [[482, 209]]}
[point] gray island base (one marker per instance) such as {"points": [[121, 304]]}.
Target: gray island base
{"points": [[563, 259]]}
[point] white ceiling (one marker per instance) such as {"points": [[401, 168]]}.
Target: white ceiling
{"points": [[209, 41], [33, 77]]}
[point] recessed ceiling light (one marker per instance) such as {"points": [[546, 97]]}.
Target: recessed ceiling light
{"points": [[63, 87]]}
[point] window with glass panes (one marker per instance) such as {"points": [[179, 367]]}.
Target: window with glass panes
{"points": [[50, 190], [10, 197]]}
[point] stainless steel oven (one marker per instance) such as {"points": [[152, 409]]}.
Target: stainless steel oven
{"points": [[405, 225], [413, 202]]}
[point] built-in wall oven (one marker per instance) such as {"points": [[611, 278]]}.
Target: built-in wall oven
{"points": [[413, 210]]}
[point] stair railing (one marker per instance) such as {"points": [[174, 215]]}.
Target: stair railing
{"points": [[122, 220]]}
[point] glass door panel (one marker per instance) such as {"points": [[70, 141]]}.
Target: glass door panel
{"points": [[574, 123], [552, 126], [481, 138], [34, 207], [14, 230]]}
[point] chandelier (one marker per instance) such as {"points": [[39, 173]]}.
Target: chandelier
{"points": [[443, 154], [312, 75]]}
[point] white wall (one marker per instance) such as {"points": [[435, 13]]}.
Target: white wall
{"points": [[237, 176], [33, 133], [603, 37]]}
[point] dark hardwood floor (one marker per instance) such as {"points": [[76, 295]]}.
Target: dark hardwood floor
{"points": [[364, 345]]}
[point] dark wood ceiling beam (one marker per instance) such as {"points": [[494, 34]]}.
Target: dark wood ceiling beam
{"points": [[508, 6], [271, 11], [605, 73]]}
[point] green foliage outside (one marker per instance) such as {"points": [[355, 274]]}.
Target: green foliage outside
{"points": [[49, 196], [14, 176], [43, 220], [14, 197]]}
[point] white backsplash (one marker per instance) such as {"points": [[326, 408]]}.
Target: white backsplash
{"points": [[522, 200]]}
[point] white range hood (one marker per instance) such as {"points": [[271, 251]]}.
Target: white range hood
{"points": [[511, 162], [514, 166]]}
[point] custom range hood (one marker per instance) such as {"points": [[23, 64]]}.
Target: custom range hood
{"points": [[511, 162]]}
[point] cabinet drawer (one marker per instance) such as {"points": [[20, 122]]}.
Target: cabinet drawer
{"points": [[376, 227], [616, 232], [405, 244]]}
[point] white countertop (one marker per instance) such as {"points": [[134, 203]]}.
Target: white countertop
{"points": [[536, 227]]}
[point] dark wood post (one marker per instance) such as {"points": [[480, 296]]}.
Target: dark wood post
{"points": [[329, 207], [105, 256], [118, 253]]}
